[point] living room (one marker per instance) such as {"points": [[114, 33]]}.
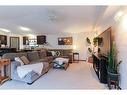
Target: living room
{"points": [[61, 29]]}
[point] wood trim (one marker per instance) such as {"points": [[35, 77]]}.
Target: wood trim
{"points": [[110, 28], [82, 60]]}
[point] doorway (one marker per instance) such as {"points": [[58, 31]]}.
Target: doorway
{"points": [[14, 42]]}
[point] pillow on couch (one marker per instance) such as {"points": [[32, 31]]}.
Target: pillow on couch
{"points": [[25, 60], [53, 53], [33, 56], [19, 60], [48, 53], [42, 54]]}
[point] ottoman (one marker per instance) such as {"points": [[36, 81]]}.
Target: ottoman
{"points": [[61, 63]]}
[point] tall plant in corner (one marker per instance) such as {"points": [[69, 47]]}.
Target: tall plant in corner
{"points": [[112, 65], [111, 59], [112, 71]]}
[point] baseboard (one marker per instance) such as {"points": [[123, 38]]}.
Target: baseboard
{"points": [[82, 60]]}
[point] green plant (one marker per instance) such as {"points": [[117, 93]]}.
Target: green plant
{"points": [[97, 40], [112, 65]]}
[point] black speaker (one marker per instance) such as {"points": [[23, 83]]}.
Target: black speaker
{"points": [[41, 39], [25, 39]]}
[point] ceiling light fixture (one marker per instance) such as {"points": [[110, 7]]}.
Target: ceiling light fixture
{"points": [[118, 15], [123, 23], [25, 28], [5, 30]]}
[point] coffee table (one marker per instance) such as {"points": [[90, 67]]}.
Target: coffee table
{"points": [[61, 63]]}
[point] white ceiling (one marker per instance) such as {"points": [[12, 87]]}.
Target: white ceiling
{"points": [[50, 19]]}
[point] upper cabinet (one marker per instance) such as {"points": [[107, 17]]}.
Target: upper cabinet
{"points": [[3, 39], [25, 40], [41, 39]]}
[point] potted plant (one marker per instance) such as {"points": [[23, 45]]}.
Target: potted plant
{"points": [[112, 70], [97, 41]]}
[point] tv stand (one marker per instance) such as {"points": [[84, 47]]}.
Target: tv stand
{"points": [[100, 63]]}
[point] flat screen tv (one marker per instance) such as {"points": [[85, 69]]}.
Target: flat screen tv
{"points": [[106, 36]]}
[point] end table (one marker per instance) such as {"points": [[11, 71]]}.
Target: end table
{"points": [[4, 76], [75, 57]]}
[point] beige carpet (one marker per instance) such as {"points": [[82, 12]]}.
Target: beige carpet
{"points": [[78, 76]]}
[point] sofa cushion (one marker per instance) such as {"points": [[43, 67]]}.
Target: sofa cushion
{"points": [[45, 67], [36, 61], [12, 56], [33, 56], [48, 53], [47, 59], [42, 54], [43, 60], [19, 60], [25, 60]]}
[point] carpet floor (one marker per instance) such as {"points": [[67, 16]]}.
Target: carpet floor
{"points": [[78, 76]]}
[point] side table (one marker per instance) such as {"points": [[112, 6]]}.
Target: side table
{"points": [[76, 57], [4, 76]]}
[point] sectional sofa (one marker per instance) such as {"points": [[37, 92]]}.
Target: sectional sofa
{"points": [[34, 57]]}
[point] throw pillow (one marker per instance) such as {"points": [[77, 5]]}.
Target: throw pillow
{"points": [[25, 60], [53, 53], [19, 60], [57, 53], [48, 53]]}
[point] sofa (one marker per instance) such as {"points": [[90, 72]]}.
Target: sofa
{"points": [[34, 57], [64, 53]]}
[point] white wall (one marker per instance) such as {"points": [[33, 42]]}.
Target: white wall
{"points": [[121, 44], [78, 40]]}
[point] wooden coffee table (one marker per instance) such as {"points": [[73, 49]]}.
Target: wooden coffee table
{"points": [[4, 76]]}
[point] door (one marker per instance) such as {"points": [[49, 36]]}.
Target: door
{"points": [[14, 42]]}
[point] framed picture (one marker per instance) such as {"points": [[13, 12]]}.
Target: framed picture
{"points": [[65, 41]]}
